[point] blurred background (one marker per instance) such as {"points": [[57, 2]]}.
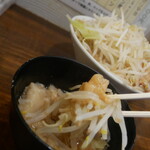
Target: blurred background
{"points": [[55, 11]]}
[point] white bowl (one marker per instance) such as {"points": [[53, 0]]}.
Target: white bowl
{"points": [[83, 56]]}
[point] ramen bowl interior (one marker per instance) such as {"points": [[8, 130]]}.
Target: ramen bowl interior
{"points": [[83, 56], [63, 73]]}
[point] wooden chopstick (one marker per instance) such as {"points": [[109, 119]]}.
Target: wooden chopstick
{"points": [[134, 96], [145, 114]]}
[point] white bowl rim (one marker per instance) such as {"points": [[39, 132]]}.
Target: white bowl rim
{"points": [[110, 74]]}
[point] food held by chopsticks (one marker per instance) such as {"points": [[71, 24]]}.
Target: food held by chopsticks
{"points": [[75, 120], [118, 46]]}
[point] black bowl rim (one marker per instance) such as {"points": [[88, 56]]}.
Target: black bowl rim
{"points": [[15, 105]]}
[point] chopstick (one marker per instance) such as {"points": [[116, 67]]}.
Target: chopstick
{"points": [[145, 114], [135, 96]]}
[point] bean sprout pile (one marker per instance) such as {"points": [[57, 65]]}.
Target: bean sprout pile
{"points": [[73, 120], [120, 47]]}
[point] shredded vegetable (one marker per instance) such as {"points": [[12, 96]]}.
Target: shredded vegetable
{"points": [[75, 120], [120, 47]]}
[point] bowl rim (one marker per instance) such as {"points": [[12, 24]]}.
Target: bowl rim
{"points": [[98, 65]]}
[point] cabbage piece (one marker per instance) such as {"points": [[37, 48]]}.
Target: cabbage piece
{"points": [[85, 30]]}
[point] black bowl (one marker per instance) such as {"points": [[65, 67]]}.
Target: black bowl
{"points": [[63, 73]]}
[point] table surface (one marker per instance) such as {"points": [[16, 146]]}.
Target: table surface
{"points": [[24, 36]]}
